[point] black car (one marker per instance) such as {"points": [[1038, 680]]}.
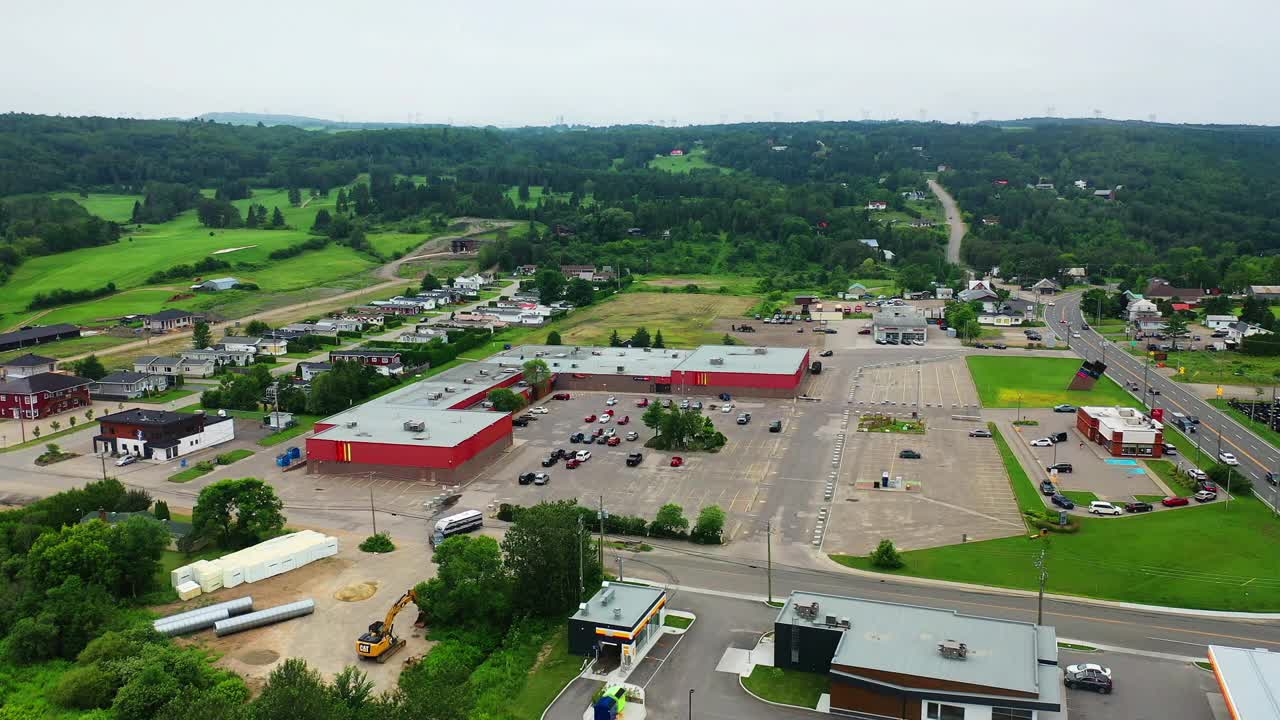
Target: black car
{"points": [[909, 455], [577, 437], [1089, 680], [1271, 478], [1048, 488], [826, 353], [526, 478], [634, 459], [776, 427], [1062, 501], [520, 422], [999, 346], [559, 453], [1060, 467], [548, 462], [1138, 507], [980, 346]]}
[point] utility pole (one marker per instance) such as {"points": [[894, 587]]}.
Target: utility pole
{"points": [[103, 457], [579, 539], [619, 558], [768, 544], [372, 514], [602, 531], [1044, 577]]}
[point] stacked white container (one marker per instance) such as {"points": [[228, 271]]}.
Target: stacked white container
{"points": [[259, 562]]}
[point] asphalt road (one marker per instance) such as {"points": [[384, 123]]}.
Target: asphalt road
{"points": [[1255, 455]]}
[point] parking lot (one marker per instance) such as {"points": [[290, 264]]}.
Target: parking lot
{"points": [[740, 478], [932, 379], [1146, 688]]}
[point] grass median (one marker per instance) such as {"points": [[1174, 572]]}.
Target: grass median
{"points": [[1257, 428], [1012, 381], [789, 687]]}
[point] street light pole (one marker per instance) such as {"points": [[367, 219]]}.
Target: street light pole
{"points": [[768, 544], [1044, 578], [690, 703]]}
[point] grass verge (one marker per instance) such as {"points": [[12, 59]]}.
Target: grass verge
{"points": [[1011, 381], [1024, 491], [555, 669], [1080, 497], [168, 396], [1150, 559], [304, 426], [789, 687], [204, 467], [1168, 472], [1257, 428], [1077, 648], [676, 622]]}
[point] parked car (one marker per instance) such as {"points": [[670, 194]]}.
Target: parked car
{"points": [[1227, 458], [677, 461], [577, 437], [1048, 488], [1088, 680], [525, 478], [589, 440], [642, 402], [540, 410], [1138, 507], [633, 436], [1042, 442], [520, 422], [583, 455], [634, 459], [1088, 667], [980, 433], [1064, 408], [1062, 467], [864, 330], [614, 441], [1102, 507], [541, 478], [744, 418], [726, 408], [611, 401], [124, 459], [609, 433], [589, 419], [625, 420], [561, 396], [608, 412], [1170, 449], [605, 418], [1173, 501], [1205, 496], [1207, 485], [1062, 501], [776, 427], [549, 461], [1197, 474], [909, 455], [995, 346], [826, 353], [561, 453], [573, 463], [684, 404]]}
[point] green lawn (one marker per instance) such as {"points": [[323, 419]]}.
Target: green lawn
{"points": [[693, 160], [789, 687], [304, 426], [1010, 381], [1258, 428], [171, 560], [1080, 497], [68, 347], [1226, 368], [685, 320], [732, 284], [536, 193], [676, 622], [1168, 472], [118, 208], [200, 469], [170, 395], [555, 669], [1024, 491], [108, 310], [1155, 559]]}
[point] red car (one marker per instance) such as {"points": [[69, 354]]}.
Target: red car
{"points": [[864, 331], [608, 412], [598, 432], [614, 441], [642, 402], [1173, 502], [561, 396], [571, 464], [625, 419], [677, 461], [589, 418]]}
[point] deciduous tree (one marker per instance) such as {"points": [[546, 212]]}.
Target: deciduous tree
{"points": [[238, 512]]}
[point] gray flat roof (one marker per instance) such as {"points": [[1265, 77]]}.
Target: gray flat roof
{"points": [[633, 600], [745, 359], [896, 318], [1250, 680], [591, 360], [897, 638]]}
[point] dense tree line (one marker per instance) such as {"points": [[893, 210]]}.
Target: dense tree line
{"points": [[38, 225]]}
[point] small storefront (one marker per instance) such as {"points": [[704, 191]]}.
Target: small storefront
{"points": [[619, 624]]}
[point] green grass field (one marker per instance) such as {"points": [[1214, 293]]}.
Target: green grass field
{"points": [[685, 320], [537, 193], [1040, 382], [304, 426], [170, 395], [67, 348], [554, 669], [109, 309], [789, 687], [1154, 559], [1226, 368], [693, 160], [1025, 492], [117, 208], [1258, 428], [733, 284]]}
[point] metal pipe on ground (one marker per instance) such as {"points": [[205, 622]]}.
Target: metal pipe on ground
{"points": [[261, 618], [239, 606], [193, 623]]}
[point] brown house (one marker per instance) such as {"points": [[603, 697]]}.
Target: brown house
{"points": [[888, 660]]}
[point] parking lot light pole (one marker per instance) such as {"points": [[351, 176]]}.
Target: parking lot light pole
{"points": [[1044, 578]]}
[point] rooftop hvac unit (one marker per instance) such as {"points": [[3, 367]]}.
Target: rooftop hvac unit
{"points": [[831, 619], [606, 597], [414, 425], [351, 423], [584, 608], [953, 650], [717, 361], [620, 369], [844, 623], [761, 351], [809, 612], [617, 613]]}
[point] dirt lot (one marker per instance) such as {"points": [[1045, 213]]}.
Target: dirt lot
{"points": [[685, 320], [326, 639]]}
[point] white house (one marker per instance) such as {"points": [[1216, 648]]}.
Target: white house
{"points": [[1242, 330], [421, 338], [877, 205], [272, 346], [469, 284], [309, 370], [1005, 313], [1220, 322], [241, 344], [1143, 308], [944, 293]]}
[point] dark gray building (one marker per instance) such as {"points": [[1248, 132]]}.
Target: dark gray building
{"points": [[619, 623]]}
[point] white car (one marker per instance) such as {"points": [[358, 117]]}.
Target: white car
{"points": [[1094, 667], [609, 433], [1075, 335], [583, 455], [127, 460], [1227, 458], [611, 401], [1101, 507], [726, 408], [539, 410], [1042, 442], [605, 419]]}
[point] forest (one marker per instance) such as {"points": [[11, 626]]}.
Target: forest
{"points": [[1196, 205]]}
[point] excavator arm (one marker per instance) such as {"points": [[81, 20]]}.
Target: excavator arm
{"points": [[380, 643], [405, 599]]}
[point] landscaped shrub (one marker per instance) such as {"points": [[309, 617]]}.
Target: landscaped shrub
{"points": [[886, 556], [378, 543]]}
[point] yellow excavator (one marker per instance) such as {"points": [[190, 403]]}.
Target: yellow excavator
{"points": [[381, 642]]}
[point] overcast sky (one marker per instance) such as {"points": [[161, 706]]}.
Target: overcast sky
{"points": [[600, 62]]}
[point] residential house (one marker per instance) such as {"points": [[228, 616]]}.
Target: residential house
{"points": [[159, 435], [517, 316], [991, 220], [1105, 194], [240, 344], [585, 272], [1046, 287], [915, 195], [198, 367], [1081, 184], [476, 319], [432, 330], [386, 362], [1006, 313], [978, 290], [877, 205], [217, 284], [352, 323], [1182, 307], [676, 153], [401, 305], [1220, 322], [1043, 186], [469, 284], [778, 148], [1241, 330], [944, 293], [127, 385], [384, 310], [37, 335], [1075, 273], [273, 346], [169, 320], [1264, 292], [1149, 325], [526, 270], [420, 338], [309, 370], [165, 366], [26, 366], [1161, 289], [1142, 308], [39, 396], [220, 356]]}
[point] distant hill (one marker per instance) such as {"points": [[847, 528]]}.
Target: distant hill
{"points": [[306, 123]]}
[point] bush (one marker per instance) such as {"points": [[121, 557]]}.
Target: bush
{"points": [[886, 556], [710, 526], [84, 688], [32, 641], [378, 543], [134, 501], [670, 522], [507, 512]]}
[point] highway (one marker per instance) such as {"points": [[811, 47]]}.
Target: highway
{"points": [[1256, 456]]}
